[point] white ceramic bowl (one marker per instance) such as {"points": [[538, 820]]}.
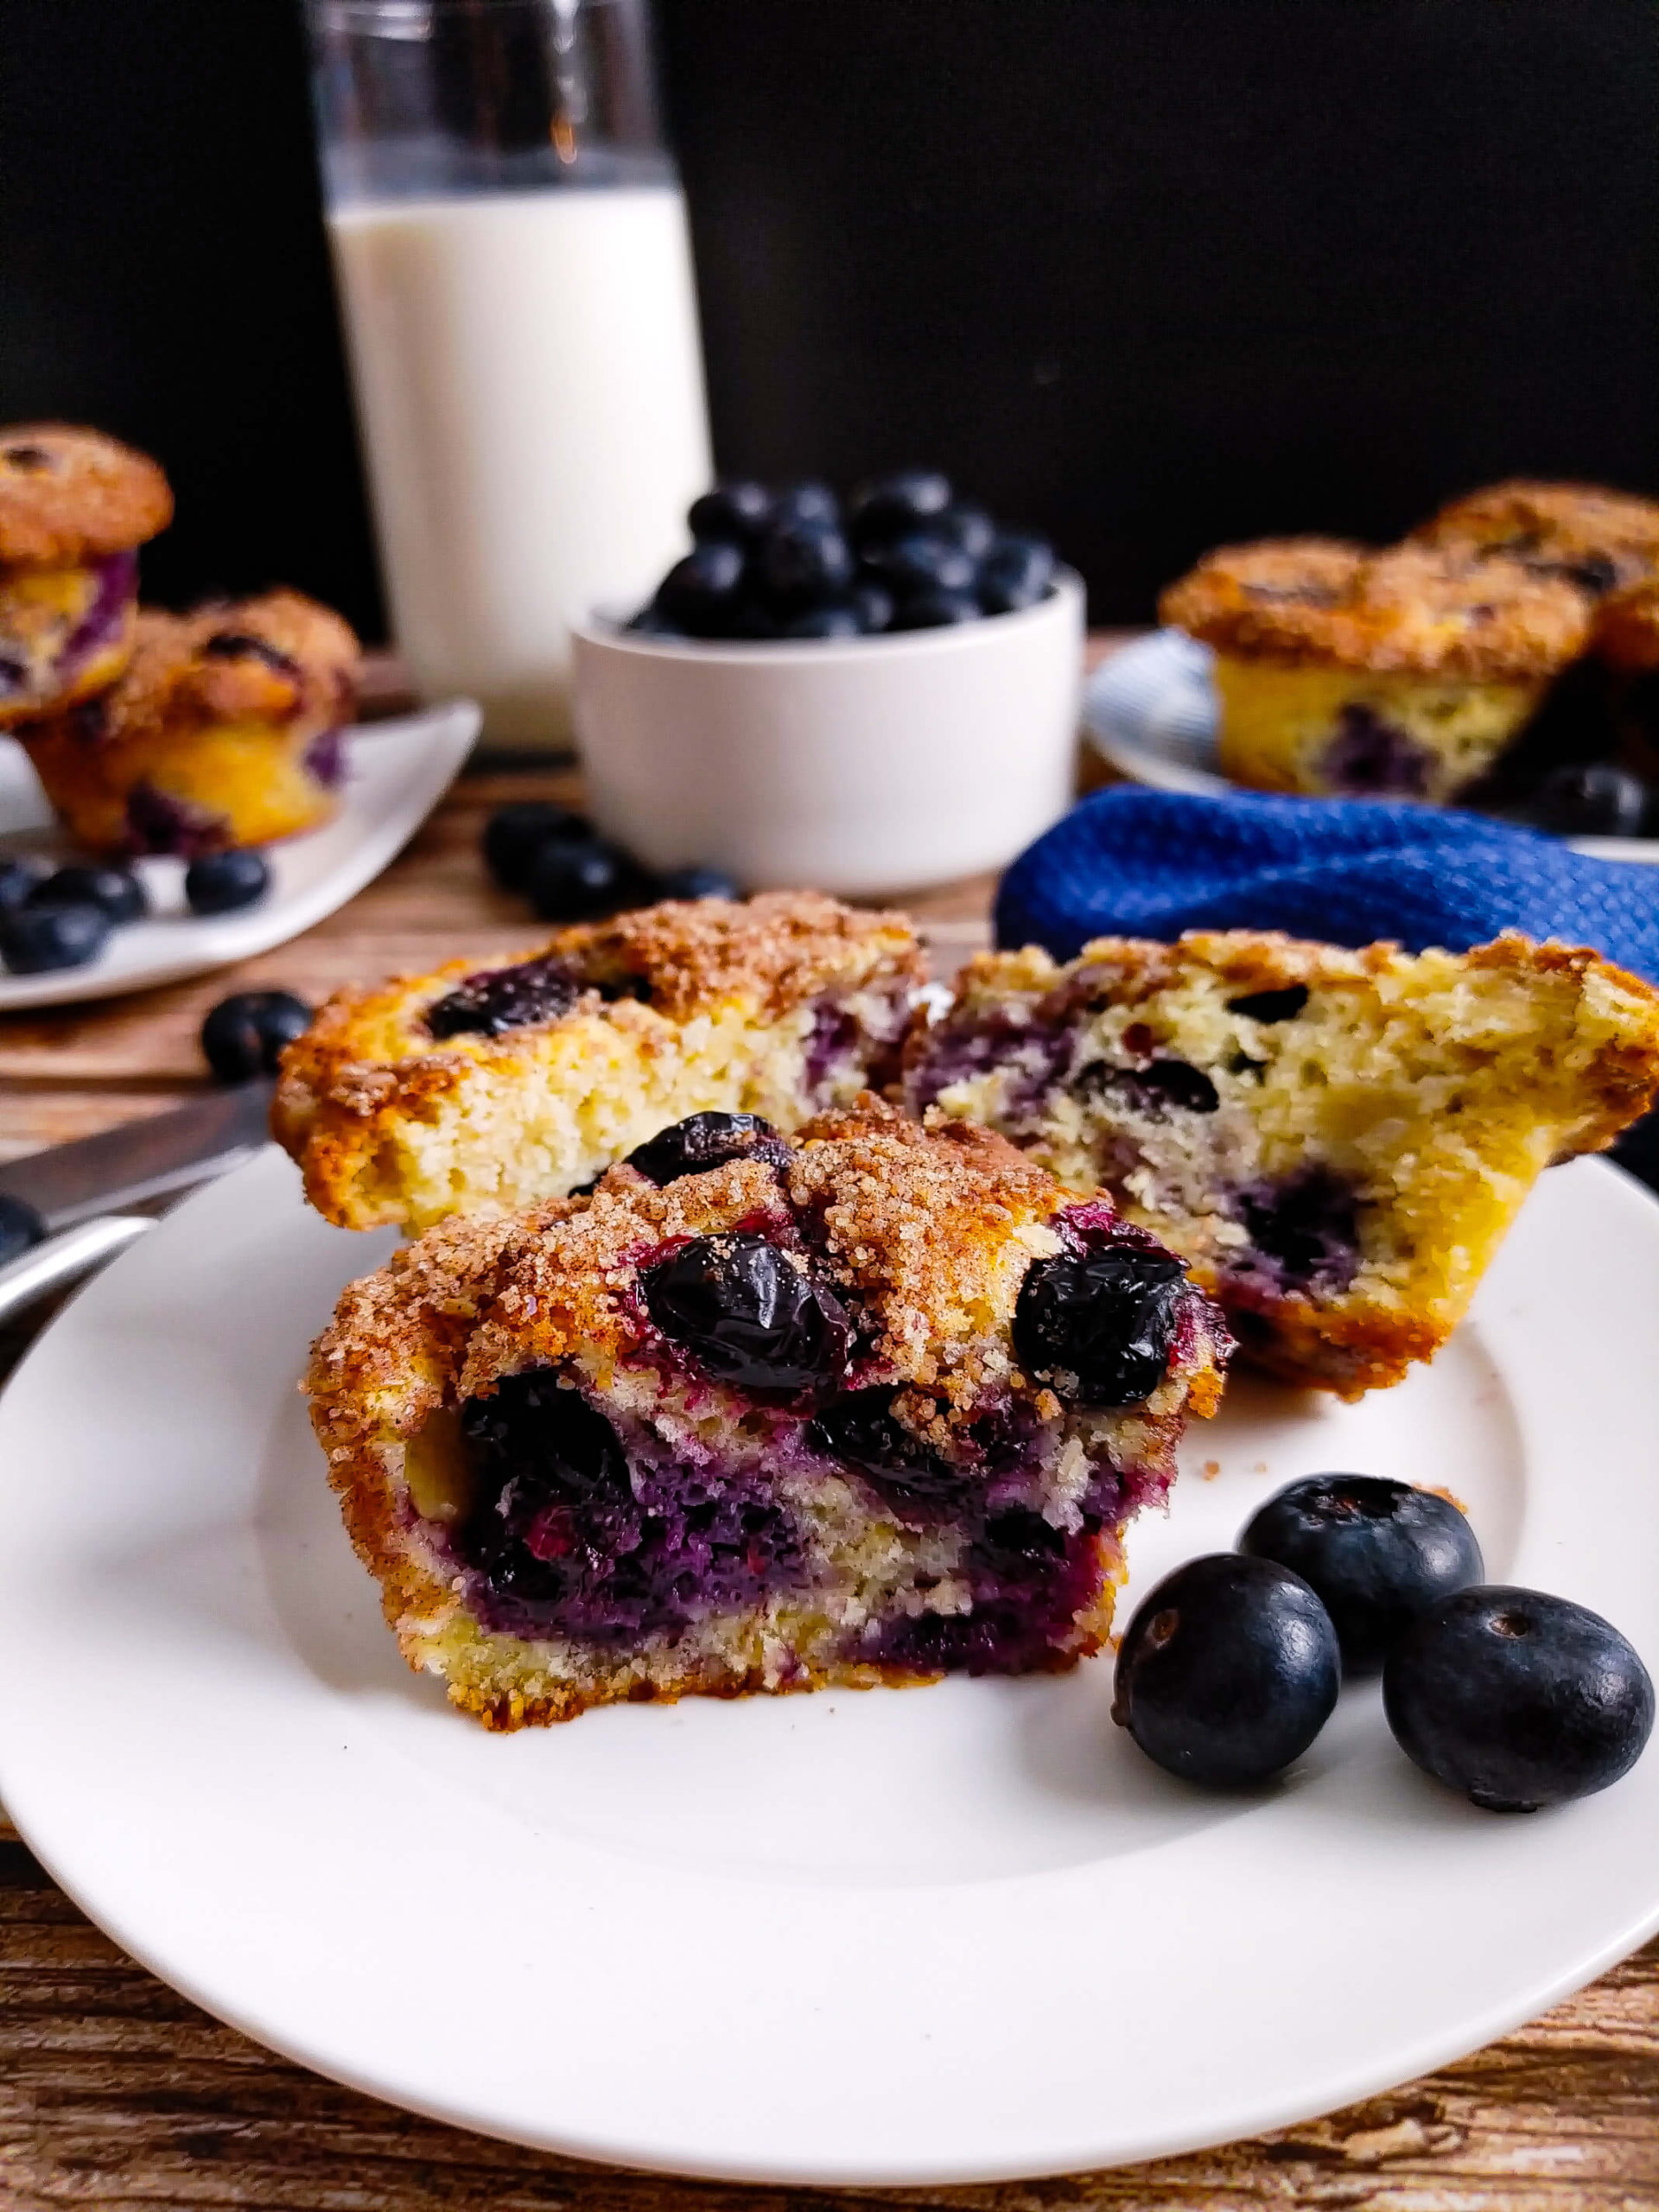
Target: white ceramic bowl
{"points": [[860, 766]]}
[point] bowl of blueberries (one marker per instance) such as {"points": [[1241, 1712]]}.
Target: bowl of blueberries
{"points": [[868, 694]]}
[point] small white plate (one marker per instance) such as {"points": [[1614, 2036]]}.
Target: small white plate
{"points": [[1150, 712], [396, 772], [922, 1936]]}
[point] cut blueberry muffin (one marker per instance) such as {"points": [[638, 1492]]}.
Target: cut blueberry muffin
{"points": [[1403, 674], [74, 508], [226, 728], [1598, 540], [872, 1406], [445, 1093], [1334, 1141]]}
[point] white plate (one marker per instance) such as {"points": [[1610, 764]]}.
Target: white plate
{"points": [[1150, 711], [929, 1935], [396, 772]]}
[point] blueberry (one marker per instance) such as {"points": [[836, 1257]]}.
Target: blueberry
{"points": [[969, 527], [860, 1429], [514, 835], [497, 999], [573, 881], [1516, 1699], [1271, 1005], [737, 513], [747, 1312], [874, 605], [1153, 1089], [833, 617], [808, 503], [1591, 800], [1378, 1553], [1228, 1671], [652, 622], [935, 610], [697, 883], [921, 561], [1102, 1324], [244, 1035], [752, 621], [34, 940], [1016, 572], [803, 564], [19, 875], [704, 1141], [895, 504], [115, 889], [701, 592], [20, 1227], [220, 883]]}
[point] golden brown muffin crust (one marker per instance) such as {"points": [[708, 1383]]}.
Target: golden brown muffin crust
{"points": [[1411, 610], [1596, 539], [68, 495]]}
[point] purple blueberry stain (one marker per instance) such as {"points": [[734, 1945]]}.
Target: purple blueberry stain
{"points": [[158, 822], [1303, 1234], [324, 759], [1370, 757]]}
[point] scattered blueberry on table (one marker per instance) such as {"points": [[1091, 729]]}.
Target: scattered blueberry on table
{"points": [[222, 883], [244, 1035], [904, 553], [557, 860], [1377, 1552], [39, 940]]}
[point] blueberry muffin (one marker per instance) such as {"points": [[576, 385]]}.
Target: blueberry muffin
{"points": [[1334, 1141], [439, 1094], [1598, 540], [225, 729], [868, 1407], [74, 508], [1401, 674]]}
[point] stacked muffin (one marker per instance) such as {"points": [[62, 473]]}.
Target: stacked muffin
{"points": [[154, 733], [1417, 671]]}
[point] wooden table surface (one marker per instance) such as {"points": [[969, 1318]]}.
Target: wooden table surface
{"points": [[115, 2092]]}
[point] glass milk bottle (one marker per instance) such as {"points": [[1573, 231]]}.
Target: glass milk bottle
{"points": [[511, 251]]}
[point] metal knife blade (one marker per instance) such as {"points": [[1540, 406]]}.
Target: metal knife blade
{"points": [[142, 1159]]}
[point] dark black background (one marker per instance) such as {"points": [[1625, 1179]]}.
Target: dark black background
{"points": [[1146, 273]]}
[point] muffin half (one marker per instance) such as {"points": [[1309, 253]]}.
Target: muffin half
{"points": [[1335, 1141], [872, 1407]]}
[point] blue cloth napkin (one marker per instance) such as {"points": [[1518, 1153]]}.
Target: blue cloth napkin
{"points": [[1129, 863]]}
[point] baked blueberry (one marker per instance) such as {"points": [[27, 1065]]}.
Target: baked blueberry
{"points": [[1016, 572], [1378, 1553], [1228, 1671], [1516, 1699], [36, 940], [19, 875], [244, 1035], [920, 561], [116, 890], [808, 503], [19, 1228], [1591, 799], [515, 835], [749, 1313], [1154, 1088], [894, 504], [1102, 1324], [570, 880], [803, 564], [737, 511], [1269, 1007], [698, 883], [833, 618], [704, 1141], [701, 592], [935, 610], [497, 999], [860, 1428], [221, 883]]}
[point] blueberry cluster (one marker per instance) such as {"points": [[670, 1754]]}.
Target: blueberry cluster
{"points": [[62, 918], [904, 553], [1232, 1665], [556, 859]]}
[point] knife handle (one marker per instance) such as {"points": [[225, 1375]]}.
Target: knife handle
{"points": [[64, 1259]]}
